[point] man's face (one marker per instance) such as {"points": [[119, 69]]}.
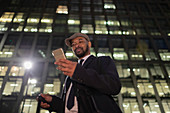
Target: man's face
{"points": [[80, 47]]}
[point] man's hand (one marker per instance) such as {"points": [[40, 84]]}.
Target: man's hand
{"points": [[48, 98], [66, 66]]}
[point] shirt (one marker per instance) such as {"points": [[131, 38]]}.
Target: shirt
{"points": [[74, 109]]}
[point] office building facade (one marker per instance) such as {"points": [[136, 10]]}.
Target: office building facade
{"points": [[134, 33]]}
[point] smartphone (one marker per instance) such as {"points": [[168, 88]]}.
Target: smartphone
{"points": [[58, 54]]}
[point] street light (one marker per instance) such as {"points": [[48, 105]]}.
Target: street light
{"points": [[28, 65]]}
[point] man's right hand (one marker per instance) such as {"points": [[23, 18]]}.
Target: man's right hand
{"points": [[48, 98]]}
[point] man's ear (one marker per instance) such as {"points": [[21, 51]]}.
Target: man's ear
{"points": [[89, 43]]}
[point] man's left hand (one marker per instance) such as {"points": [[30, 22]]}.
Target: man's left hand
{"points": [[66, 66]]}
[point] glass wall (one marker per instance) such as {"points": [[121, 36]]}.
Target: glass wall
{"points": [[130, 106], [12, 87], [5, 20]]}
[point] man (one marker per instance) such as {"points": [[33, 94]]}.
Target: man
{"points": [[91, 84]]}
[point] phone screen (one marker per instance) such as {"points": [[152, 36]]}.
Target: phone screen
{"points": [[58, 54]]}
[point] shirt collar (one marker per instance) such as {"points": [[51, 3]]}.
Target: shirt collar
{"points": [[84, 58]]}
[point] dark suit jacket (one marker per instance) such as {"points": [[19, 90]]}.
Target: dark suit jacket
{"points": [[95, 84]]}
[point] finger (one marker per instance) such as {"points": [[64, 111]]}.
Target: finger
{"points": [[64, 69], [65, 61], [45, 105]]}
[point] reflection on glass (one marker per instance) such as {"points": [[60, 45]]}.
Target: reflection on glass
{"points": [[18, 22], [163, 88], [53, 87], [5, 19], [166, 104], [167, 66], [119, 54], [156, 71], [75, 22], [150, 55], [3, 69], [109, 6], [12, 87], [112, 21], [46, 23], [151, 106], [87, 28], [130, 106], [135, 55], [32, 22], [101, 29], [17, 71], [32, 88], [140, 71], [164, 54], [154, 31], [62, 9], [145, 89], [70, 55], [128, 90], [104, 52], [74, 29], [116, 32], [7, 51], [128, 31], [123, 70], [30, 106], [126, 22]]}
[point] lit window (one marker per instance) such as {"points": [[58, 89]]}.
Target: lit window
{"points": [[46, 24], [7, 51], [45, 20], [112, 23], [165, 55], [109, 6], [76, 22], [62, 10], [30, 29], [7, 17], [135, 55], [53, 87], [70, 55], [101, 29], [12, 87], [17, 71], [3, 70], [18, 22], [101, 22], [103, 52], [87, 28], [168, 34], [73, 29], [33, 20], [119, 54], [117, 32]]}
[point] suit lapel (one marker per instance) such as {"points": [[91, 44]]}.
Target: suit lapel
{"points": [[88, 61]]}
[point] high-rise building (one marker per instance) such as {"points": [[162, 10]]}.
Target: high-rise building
{"points": [[135, 33]]}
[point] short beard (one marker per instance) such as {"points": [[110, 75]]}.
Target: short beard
{"points": [[83, 53]]}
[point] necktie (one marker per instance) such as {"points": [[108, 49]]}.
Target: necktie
{"points": [[70, 101], [81, 61]]}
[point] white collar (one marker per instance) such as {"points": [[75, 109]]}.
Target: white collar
{"points": [[84, 58]]}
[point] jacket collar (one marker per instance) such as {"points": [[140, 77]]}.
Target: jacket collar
{"points": [[89, 60]]}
